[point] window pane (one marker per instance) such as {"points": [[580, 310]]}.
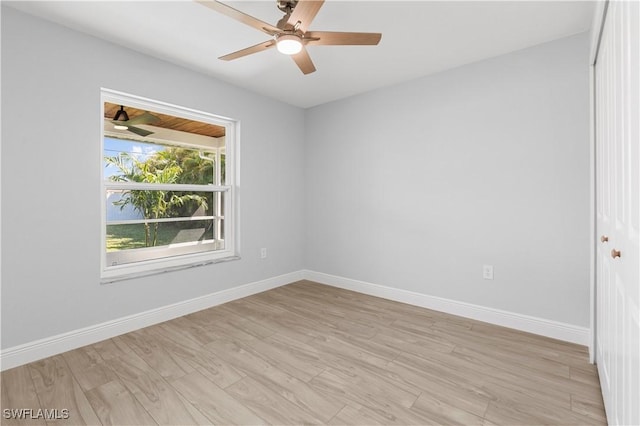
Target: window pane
{"points": [[190, 204], [140, 235], [117, 209], [135, 161], [141, 204]]}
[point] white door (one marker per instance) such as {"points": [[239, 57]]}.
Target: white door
{"points": [[617, 121]]}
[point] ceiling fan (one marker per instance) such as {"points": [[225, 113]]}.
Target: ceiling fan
{"points": [[121, 121], [291, 34]]}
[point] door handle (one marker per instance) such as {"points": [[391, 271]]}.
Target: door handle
{"points": [[615, 253], [604, 239]]}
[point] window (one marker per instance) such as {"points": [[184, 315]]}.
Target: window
{"points": [[167, 187]]}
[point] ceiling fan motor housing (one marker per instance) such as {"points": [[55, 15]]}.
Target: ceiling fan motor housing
{"points": [[287, 6]]}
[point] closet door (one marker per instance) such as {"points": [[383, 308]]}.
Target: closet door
{"points": [[617, 118]]}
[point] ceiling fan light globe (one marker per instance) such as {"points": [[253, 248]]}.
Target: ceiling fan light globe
{"points": [[289, 44]]}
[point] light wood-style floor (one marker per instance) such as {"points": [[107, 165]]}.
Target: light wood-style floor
{"points": [[312, 354]]}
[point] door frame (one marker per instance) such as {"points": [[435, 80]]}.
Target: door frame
{"points": [[599, 16]]}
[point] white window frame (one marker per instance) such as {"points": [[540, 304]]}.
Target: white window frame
{"points": [[112, 273]]}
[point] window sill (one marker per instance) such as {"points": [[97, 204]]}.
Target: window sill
{"points": [[139, 274]]}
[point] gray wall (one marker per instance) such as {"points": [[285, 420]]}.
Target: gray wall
{"points": [[417, 186], [51, 129]]}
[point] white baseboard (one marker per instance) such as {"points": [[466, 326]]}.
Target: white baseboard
{"points": [[33, 351], [557, 330]]}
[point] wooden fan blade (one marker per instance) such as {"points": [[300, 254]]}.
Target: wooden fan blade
{"points": [[304, 12], [304, 62], [328, 38], [138, 131], [240, 16], [249, 50]]}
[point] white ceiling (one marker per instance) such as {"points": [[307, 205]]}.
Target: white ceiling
{"points": [[419, 38]]}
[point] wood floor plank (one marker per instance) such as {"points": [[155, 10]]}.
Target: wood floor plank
{"points": [[472, 398], [214, 403], [247, 325], [322, 318], [526, 414], [589, 407], [365, 390], [244, 357], [589, 378], [357, 415], [345, 304], [88, 367], [540, 343], [19, 396], [353, 360], [410, 342], [269, 405], [254, 308], [492, 383], [287, 360], [112, 348], [511, 361], [184, 328], [468, 339], [58, 389], [218, 324], [307, 353], [502, 414], [153, 353], [276, 319], [442, 412], [305, 301], [115, 405], [198, 417], [313, 361], [544, 347], [352, 416], [478, 369], [215, 369], [341, 349], [158, 398], [515, 376], [384, 403]]}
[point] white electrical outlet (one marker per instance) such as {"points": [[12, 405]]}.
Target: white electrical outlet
{"points": [[263, 253], [487, 272]]}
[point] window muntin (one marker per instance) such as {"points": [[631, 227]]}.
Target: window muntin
{"points": [[167, 196]]}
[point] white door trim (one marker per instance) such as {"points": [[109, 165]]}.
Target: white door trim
{"points": [[599, 16]]}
